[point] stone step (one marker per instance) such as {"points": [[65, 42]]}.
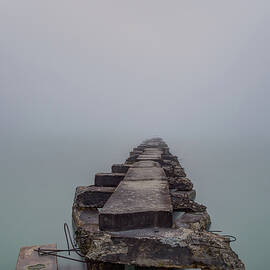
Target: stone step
{"points": [[154, 157], [92, 196], [150, 173], [149, 151], [29, 259], [120, 168], [145, 164], [137, 204], [108, 179]]}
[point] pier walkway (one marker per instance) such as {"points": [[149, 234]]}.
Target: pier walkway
{"points": [[143, 214]]}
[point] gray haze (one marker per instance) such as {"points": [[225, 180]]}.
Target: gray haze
{"points": [[81, 82]]}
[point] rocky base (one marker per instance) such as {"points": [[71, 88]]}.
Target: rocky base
{"points": [[169, 248], [197, 221]]}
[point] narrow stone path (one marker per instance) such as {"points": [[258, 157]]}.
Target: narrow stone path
{"points": [[142, 199]]}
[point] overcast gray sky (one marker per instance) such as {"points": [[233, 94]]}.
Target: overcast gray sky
{"points": [[167, 68]]}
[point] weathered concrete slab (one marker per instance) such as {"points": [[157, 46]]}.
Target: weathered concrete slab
{"points": [[145, 173], [152, 151], [154, 157], [150, 155], [145, 164], [120, 168], [92, 196], [169, 248], [137, 204], [108, 179], [189, 194], [85, 218], [30, 260], [198, 221], [180, 183]]}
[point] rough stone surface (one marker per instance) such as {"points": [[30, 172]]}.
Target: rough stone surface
{"points": [[108, 179], [154, 157], [146, 164], [135, 152], [180, 183], [196, 221], [169, 157], [92, 196], [184, 204], [131, 159], [120, 168], [169, 248], [189, 194], [30, 260], [179, 171], [104, 266], [85, 219], [145, 173], [152, 151], [168, 170], [137, 204]]}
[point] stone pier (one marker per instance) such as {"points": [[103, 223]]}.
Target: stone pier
{"points": [[143, 214]]}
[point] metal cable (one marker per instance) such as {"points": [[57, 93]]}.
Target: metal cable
{"points": [[54, 252]]}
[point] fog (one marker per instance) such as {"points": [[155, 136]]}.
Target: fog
{"points": [[173, 69], [87, 80]]}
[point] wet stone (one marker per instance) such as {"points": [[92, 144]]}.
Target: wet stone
{"points": [[92, 196], [108, 179]]}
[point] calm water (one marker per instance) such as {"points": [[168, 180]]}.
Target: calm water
{"points": [[38, 179]]}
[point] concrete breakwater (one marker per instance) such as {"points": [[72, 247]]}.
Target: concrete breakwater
{"points": [[144, 214]]}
